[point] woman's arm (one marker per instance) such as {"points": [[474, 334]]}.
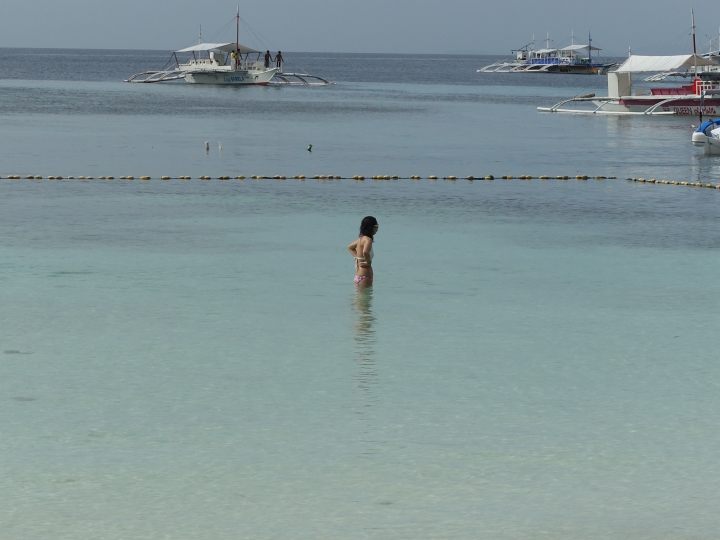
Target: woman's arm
{"points": [[352, 248]]}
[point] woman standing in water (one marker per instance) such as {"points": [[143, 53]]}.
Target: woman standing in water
{"points": [[362, 250]]}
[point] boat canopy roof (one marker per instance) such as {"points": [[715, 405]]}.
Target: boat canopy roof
{"points": [[544, 51], [639, 64], [224, 47], [580, 48]]}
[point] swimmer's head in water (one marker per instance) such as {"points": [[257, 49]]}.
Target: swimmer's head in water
{"points": [[369, 226]]}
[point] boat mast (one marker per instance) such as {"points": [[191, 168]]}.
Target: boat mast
{"points": [[237, 30], [589, 48], [692, 14]]}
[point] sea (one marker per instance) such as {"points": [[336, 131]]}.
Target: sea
{"points": [[189, 359]]}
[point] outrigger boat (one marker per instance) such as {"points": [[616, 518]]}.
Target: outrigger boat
{"points": [[226, 64], [702, 97], [575, 58]]}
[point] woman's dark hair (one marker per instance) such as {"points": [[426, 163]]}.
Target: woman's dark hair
{"points": [[367, 226]]}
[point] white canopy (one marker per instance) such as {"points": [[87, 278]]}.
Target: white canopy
{"points": [[544, 51], [225, 47], [580, 48], [638, 64]]}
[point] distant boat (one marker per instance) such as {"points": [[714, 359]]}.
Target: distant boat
{"points": [[224, 64], [575, 58]]}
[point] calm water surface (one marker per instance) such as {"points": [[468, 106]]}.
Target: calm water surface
{"points": [[190, 360]]}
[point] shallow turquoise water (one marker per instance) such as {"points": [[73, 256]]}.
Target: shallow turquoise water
{"points": [[190, 359], [200, 365]]}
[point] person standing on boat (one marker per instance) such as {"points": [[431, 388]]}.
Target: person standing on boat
{"points": [[278, 60], [268, 57], [362, 250]]}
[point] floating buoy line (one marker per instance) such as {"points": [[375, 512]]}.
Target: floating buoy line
{"points": [[358, 177]]}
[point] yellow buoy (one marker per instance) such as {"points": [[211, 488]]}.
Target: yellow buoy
{"points": [[144, 178], [599, 178], [101, 177], [489, 177], [81, 178], [164, 178], [111, 178], [612, 177], [544, 177], [241, 177], [130, 177], [122, 178], [470, 178], [673, 182], [432, 177]]}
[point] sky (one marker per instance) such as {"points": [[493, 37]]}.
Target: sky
{"points": [[362, 26]]}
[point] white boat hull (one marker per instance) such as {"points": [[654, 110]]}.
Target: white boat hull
{"points": [[708, 143], [231, 77]]}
